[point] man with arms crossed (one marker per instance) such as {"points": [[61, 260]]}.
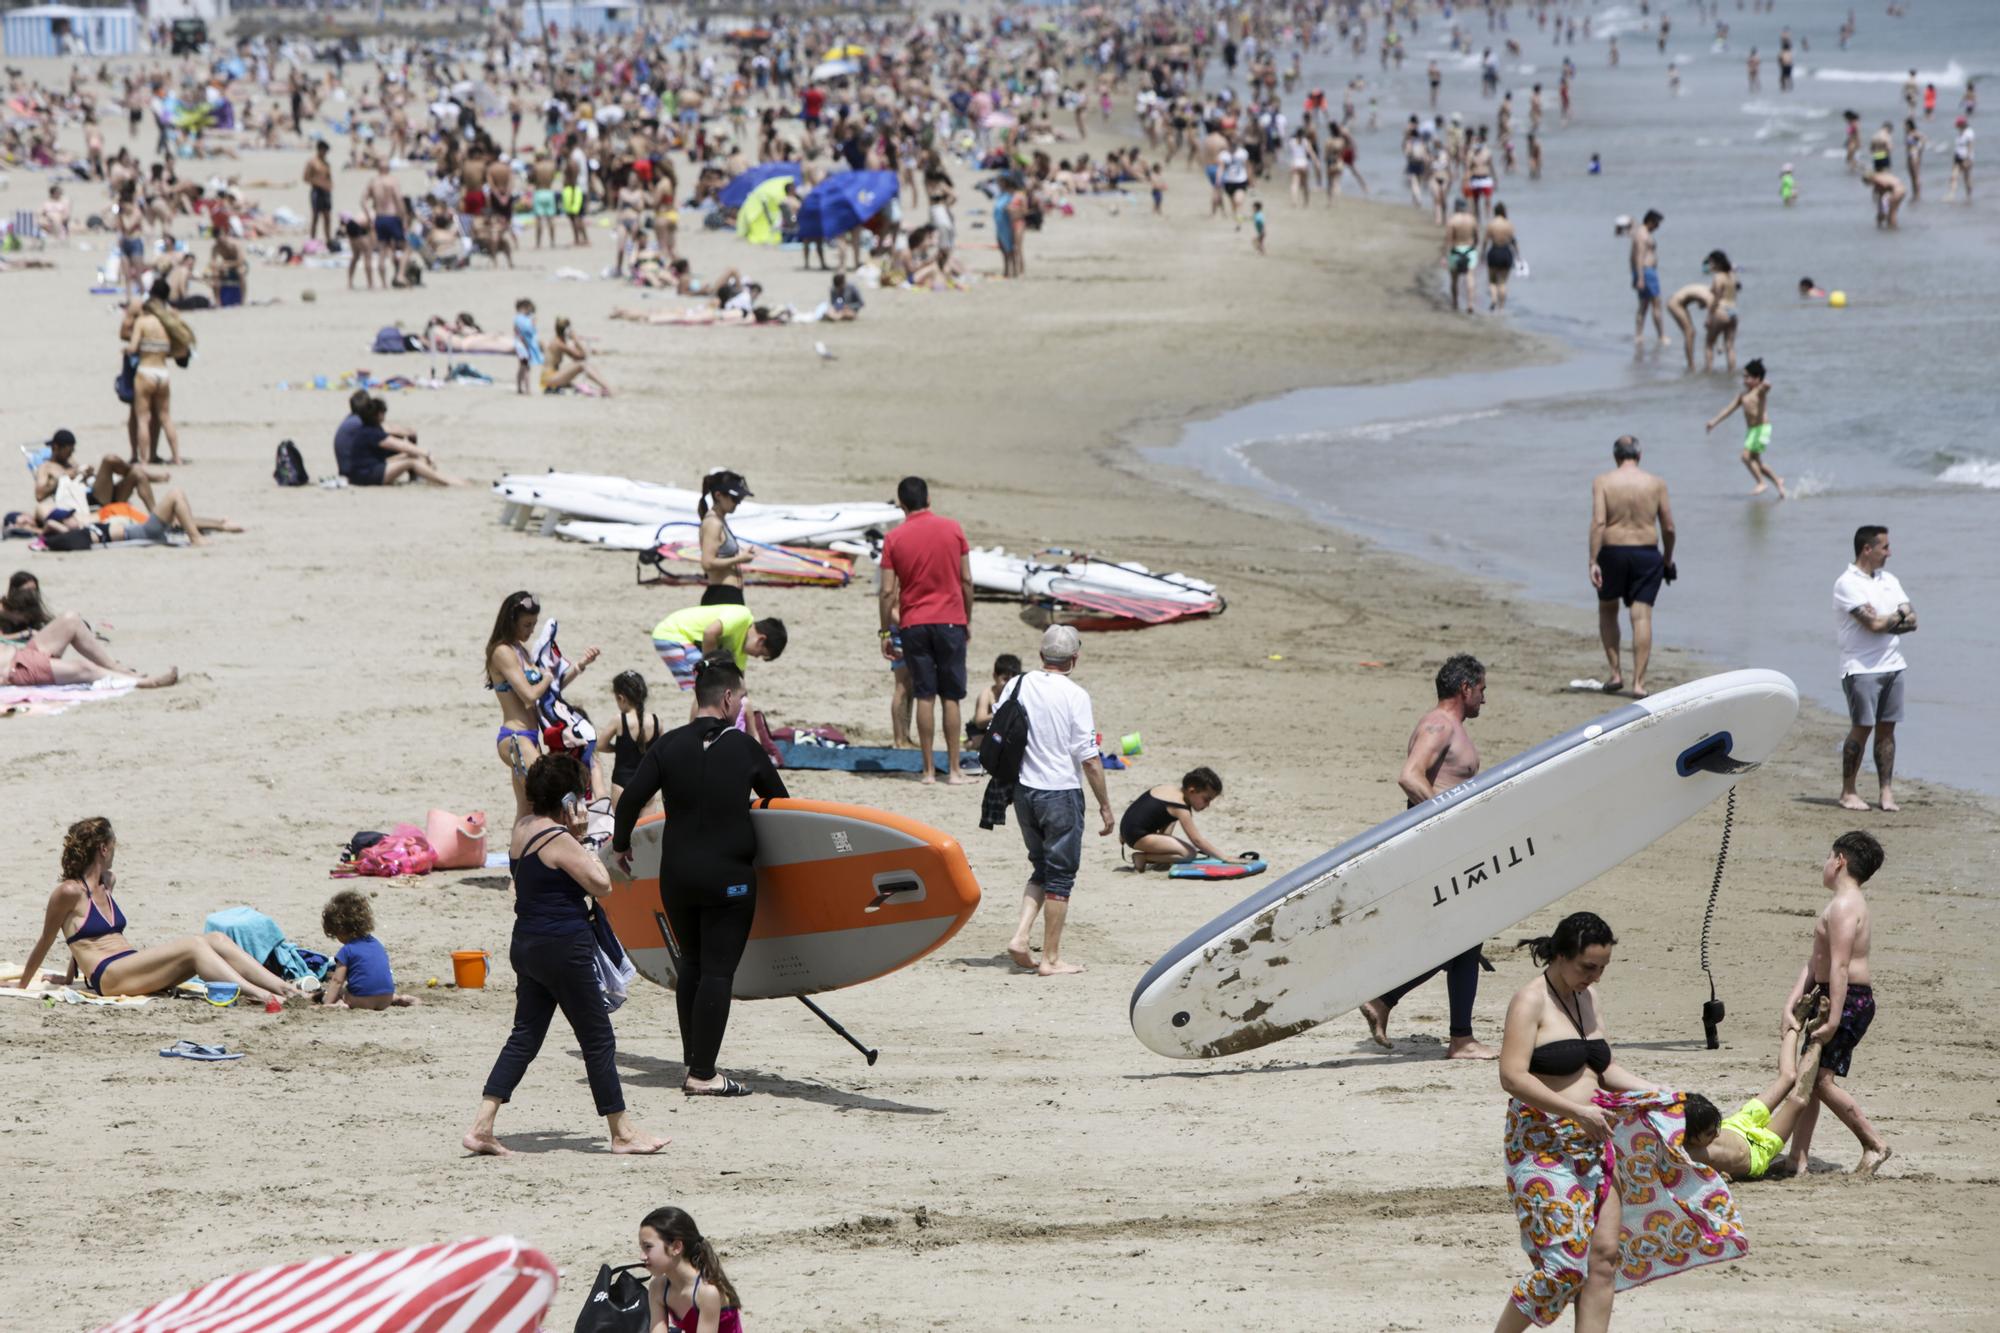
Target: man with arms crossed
{"points": [[1441, 755], [1871, 615], [1626, 505]]}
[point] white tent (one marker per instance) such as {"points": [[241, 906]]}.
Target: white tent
{"points": [[61, 30]]}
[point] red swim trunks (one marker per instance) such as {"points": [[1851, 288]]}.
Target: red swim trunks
{"points": [[31, 667]]}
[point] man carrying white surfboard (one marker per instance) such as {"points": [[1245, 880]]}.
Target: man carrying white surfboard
{"points": [[1441, 755]]}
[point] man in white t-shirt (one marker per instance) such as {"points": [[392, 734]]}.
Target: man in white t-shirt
{"points": [[1871, 616], [1234, 163], [1048, 799], [1961, 162]]}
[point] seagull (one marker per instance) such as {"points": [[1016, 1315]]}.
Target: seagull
{"points": [[824, 354]]}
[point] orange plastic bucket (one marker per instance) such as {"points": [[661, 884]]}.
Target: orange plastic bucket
{"points": [[468, 968]]}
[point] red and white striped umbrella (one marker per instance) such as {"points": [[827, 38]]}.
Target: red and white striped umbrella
{"points": [[483, 1285]]}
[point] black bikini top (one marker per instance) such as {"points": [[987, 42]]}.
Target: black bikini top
{"points": [[1571, 1053]]}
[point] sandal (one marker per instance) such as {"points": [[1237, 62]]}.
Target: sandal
{"points": [[730, 1088]]}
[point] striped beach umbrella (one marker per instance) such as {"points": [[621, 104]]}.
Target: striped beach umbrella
{"points": [[483, 1285]]}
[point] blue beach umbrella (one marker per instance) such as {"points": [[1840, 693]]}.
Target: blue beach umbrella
{"points": [[842, 202], [734, 193]]}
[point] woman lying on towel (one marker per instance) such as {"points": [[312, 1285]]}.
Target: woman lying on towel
{"points": [[69, 530], [42, 661], [464, 335], [92, 924]]}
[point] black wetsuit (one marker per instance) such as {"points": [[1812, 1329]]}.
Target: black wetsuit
{"points": [[704, 773]]}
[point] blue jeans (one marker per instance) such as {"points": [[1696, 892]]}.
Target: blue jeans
{"points": [[1052, 829]]}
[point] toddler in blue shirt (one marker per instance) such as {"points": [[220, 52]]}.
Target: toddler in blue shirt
{"points": [[360, 978]]}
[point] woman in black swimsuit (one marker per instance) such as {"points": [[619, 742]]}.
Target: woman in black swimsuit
{"points": [[1143, 827], [636, 729], [1555, 1058]]}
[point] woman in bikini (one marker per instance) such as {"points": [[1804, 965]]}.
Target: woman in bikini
{"points": [[689, 1291], [520, 685], [1721, 311], [568, 348], [464, 335], [153, 340], [83, 912], [1554, 1060], [722, 556]]}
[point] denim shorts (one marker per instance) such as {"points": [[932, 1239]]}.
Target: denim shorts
{"points": [[1052, 829]]}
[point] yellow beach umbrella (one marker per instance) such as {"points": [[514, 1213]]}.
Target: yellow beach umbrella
{"points": [[847, 52]]}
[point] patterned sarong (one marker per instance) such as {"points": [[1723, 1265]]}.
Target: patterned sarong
{"points": [[1677, 1213]]}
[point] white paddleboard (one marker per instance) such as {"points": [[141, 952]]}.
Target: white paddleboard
{"points": [[765, 531], [1443, 876], [993, 570], [619, 500]]}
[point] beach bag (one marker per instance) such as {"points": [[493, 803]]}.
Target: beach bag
{"points": [[459, 841], [404, 852], [615, 972], [1005, 745], [389, 340], [128, 369], [291, 466], [616, 1304]]}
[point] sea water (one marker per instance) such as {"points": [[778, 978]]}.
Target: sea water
{"points": [[1883, 412]]}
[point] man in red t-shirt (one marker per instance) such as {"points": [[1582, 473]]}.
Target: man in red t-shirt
{"points": [[814, 101], [926, 608]]}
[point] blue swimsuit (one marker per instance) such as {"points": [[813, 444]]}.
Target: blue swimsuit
{"points": [[96, 927]]}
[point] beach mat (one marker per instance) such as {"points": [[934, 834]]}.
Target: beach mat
{"points": [[1203, 867], [866, 759]]}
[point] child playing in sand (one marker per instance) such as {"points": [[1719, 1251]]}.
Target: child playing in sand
{"points": [[527, 344], [360, 978], [1837, 969], [1751, 1144], [1143, 828], [1005, 668]]}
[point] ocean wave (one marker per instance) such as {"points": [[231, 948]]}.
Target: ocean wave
{"points": [[1377, 432], [1951, 76], [1785, 110], [1981, 472]]}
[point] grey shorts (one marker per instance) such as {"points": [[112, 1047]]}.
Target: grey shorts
{"points": [[1052, 829], [1873, 697]]}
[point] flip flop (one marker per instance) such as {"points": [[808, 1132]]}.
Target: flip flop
{"points": [[194, 1050], [730, 1088]]}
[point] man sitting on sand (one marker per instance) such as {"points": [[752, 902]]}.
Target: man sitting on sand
{"points": [[1750, 1144], [111, 481], [371, 453]]}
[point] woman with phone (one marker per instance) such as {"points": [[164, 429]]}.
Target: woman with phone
{"points": [[554, 956]]}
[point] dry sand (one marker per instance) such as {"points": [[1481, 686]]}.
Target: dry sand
{"points": [[1016, 1156]]}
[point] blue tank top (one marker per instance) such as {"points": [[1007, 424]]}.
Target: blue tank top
{"points": [[546, 900]]}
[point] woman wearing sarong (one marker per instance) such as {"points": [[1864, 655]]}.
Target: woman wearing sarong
{"points": [[1588, 1140]]}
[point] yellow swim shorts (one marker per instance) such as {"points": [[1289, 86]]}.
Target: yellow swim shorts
{"points": [[1752, 1124]]}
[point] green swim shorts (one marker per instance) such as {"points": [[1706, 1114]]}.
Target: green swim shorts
{"points": [[1752, 1125], [545, 203], [1758, 439]]}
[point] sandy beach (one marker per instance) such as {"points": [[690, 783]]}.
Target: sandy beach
{"points": [[1016, 1155]]}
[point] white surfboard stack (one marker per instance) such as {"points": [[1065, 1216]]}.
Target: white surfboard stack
{"points": [[1443, 876], [629, 515]]}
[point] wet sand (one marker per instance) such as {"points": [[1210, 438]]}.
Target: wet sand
{"points": [[1015, 1152]]}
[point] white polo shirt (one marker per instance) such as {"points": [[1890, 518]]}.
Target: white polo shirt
{"points": [[1061, 732], [1864, 651]]}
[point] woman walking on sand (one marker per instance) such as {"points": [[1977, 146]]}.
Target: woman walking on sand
{"points": [[554, 956], [519, 684]]}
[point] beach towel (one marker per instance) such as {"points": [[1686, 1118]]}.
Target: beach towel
{"points": [[263, 939], [563, 724], [1677, 1214], [403, 852], [28, 700]]}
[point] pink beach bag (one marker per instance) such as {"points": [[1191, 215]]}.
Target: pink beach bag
{"points": [[459, 840]]}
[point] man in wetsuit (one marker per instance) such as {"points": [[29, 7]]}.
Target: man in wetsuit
{"points": [[1626, 505], [704, 773], [1441, 755]]}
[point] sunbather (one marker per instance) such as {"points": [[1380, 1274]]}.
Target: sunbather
{"points": [[112, 481], [41, 660], [569, 361], [82, 910], [463, 335], [63, 530]]}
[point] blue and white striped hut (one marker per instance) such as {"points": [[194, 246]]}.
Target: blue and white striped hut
{"points": [[64, 30]]}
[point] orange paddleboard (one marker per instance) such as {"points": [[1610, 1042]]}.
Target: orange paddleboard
{"points": [[845, 894]]}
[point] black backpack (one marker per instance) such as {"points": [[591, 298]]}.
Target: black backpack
{"points": [[1005, 745], [291, 469], [616, 1304]]}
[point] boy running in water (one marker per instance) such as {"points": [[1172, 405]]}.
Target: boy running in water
{"points": [[1755, 400]]}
